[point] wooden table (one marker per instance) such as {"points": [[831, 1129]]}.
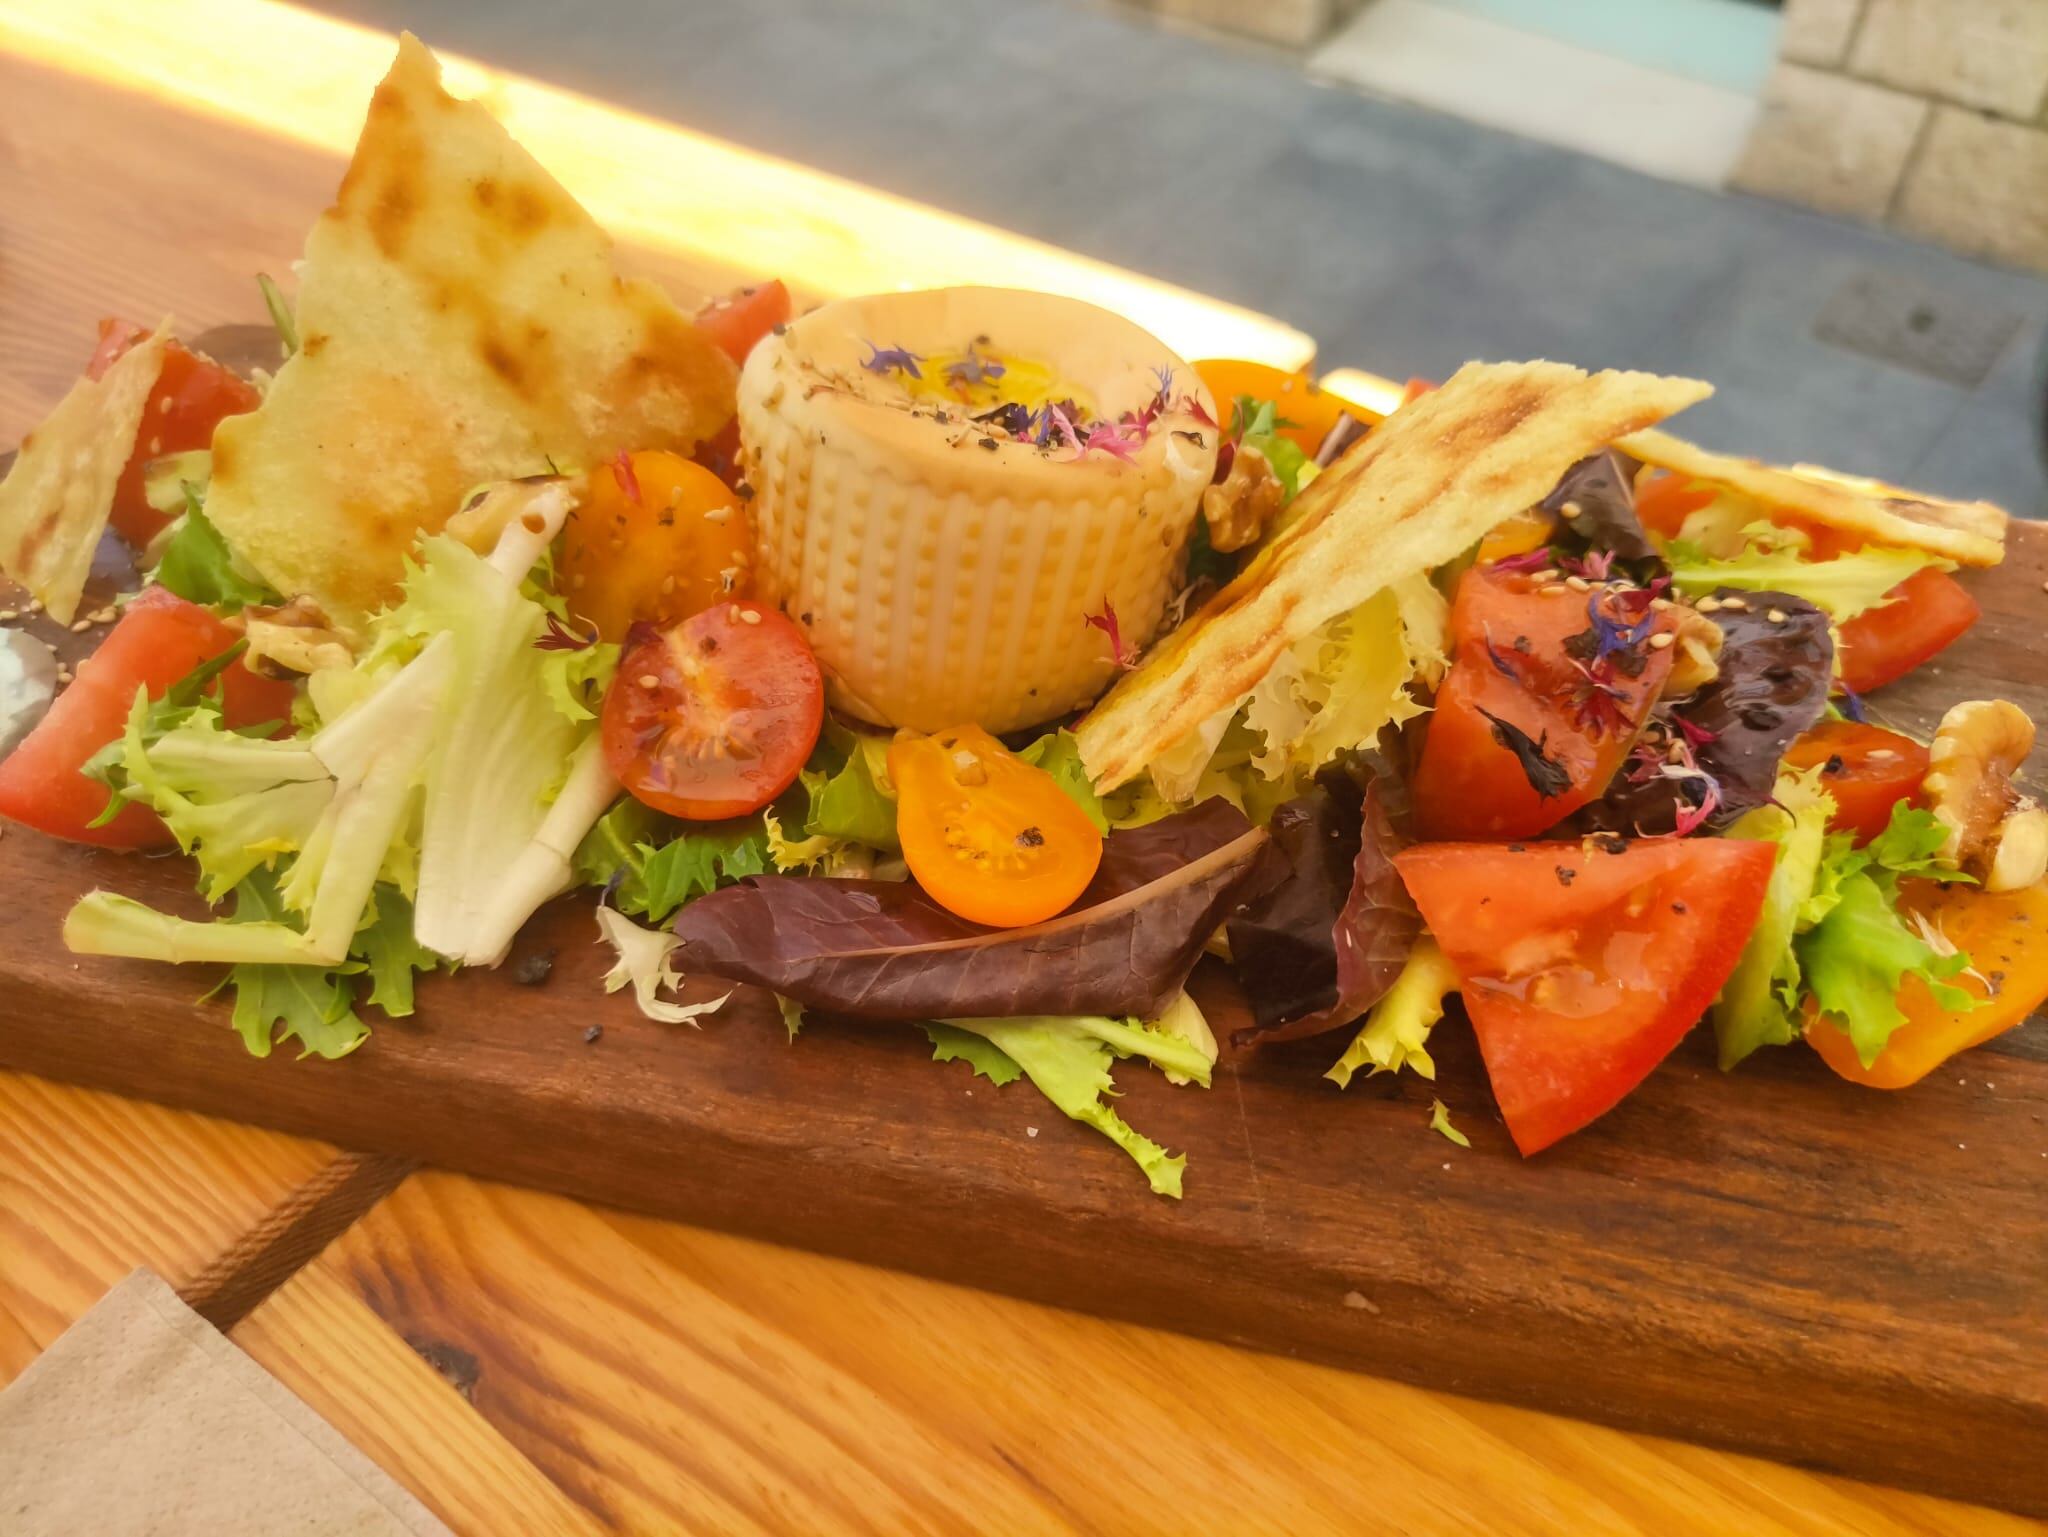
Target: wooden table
{"points": [[525, 1363]]}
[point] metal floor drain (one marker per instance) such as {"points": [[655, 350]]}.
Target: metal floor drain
{"points": [[1901, 321]]}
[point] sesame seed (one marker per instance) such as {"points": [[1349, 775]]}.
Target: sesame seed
{"points": [[1550, 589], [8, 615], [1776, 616], [1570, 510], [102, 615], [1708, 604], [733, 613], [750, 616], [33, 606], [80, 626], [164, 405], [1738, 605], [717, 514], [1578, 584], [1548, 574], [1662, 640], [648, 680], [1881, 752]]}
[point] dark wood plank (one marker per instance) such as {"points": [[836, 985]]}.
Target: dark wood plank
{"points": [[1771, 1260]]}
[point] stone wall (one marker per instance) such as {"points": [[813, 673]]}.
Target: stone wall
{"points": [[1927, 115]]}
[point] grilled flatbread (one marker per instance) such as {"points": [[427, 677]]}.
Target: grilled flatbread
{"points": [[55, 501], [1968, 533], [1427, 483], [460, 321]]}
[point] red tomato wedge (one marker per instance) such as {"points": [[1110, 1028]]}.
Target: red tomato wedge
{"points": [[1581, 968], [1923, 615], [191, 396], [158, 640], [744, 316], [1664, 501], [715, 716], [1867, 770], [1512, 673]]}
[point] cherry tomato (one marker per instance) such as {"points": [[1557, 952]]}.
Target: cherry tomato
{"points": [[2003, 933], [713, 717], [1580, 968], [1511, 672], [1923, 615], [1415, 389], [987, 835], [187, 402], [1295, 396], [744, 316], [653, 539], [158, 640], [1664, 501], [1867, 769], [1525, 531]]}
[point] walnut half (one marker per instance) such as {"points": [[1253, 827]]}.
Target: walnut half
{"points": [[1239, 507], [1994, 832]]}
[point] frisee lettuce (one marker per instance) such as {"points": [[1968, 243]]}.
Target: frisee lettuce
{"points": [[1759, 1003], [1067, 1059], [986, 1059], [653, 864], [1396, 1029], [1774, 559]]}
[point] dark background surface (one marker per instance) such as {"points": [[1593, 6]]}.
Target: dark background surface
{"points": [[1404, 241]]}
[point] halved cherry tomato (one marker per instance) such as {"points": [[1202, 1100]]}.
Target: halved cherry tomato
{"points": [[1415, 389], [1581, 968], [2005, 934], [159, 639], [1511, 672], [744, 316], [1867, 769], [1525, 531], [1920, 617], [987, 835], [1298, 399], [652, 539], [715, 716], [190, 397]]}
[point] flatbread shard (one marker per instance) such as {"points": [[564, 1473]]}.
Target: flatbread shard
{"points": [[460, 321], [1969, 533], [1424, 486], [55, 501]]}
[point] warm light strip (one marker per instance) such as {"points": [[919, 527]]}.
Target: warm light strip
{"points": [[290, 73], [1377, 395]]}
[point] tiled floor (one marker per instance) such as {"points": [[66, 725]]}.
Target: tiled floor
{"points": [[1404, 240]]}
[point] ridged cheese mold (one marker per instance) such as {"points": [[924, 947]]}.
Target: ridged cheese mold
{"points": [[941, 547]]}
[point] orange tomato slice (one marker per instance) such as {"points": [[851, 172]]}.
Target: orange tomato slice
{"points": [[987, 835], [653, 538]]}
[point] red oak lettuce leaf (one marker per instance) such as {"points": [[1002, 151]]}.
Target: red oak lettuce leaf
{"points": [[884, 950], [1334, 926]]}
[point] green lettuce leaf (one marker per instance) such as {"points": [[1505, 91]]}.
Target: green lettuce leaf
{"points": [[199, 567], [575, 681], [1440, 1123], [1774, 561], [1067, 1059], [850, 797], [1060, 756], [313, 1005], [658, 863], [389, 954], [952, 1044], [1855, 958]]}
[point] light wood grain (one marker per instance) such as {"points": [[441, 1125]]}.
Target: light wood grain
{"points": [[671, 1378], [324, 1344], [92, 1186]]}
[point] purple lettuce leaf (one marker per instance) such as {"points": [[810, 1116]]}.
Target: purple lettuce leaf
{"points": [[884, 950]]}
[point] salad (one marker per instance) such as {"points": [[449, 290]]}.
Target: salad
{"points": [[968, 661]]}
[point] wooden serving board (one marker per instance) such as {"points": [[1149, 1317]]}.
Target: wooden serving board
{"points": [[1772, 1260]]}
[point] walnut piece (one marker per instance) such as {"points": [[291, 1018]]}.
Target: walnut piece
{"points": [[1240, 507], [293, 640], [1994, 832], [1695, 652]]}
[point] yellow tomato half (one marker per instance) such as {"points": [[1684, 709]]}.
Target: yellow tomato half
{"points": [[987, 835], [654, 537]]}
